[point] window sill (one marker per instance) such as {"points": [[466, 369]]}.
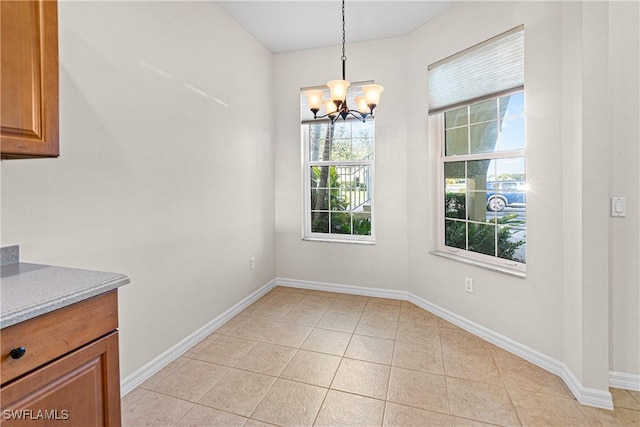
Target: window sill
{"points": [[488, 266], [357, 242]]}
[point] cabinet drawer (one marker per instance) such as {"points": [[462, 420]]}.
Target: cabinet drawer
{"points": [[80, 389], [53, 334]]}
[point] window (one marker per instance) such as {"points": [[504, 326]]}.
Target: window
{"points": [[482, 157], [484, 180], [338, 180]]}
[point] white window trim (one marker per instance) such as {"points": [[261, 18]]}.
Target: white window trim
{"points": [[436, 124], [307, 234]]}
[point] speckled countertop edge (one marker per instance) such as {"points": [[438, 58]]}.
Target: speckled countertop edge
{"points": [[43, 307], [31, 290]]}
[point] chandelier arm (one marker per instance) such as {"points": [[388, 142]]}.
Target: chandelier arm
{"points": [[333, 118], [361, 118], [355, 113]]}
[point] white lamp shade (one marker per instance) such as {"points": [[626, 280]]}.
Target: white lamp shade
{"points": [[329, 107], [338, 89], [372, 93], [361, 104], [314, 98]]}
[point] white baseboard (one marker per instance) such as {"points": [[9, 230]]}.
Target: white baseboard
{"points": [[145, 372], [584, 395], [624, 380], [343, 289]]}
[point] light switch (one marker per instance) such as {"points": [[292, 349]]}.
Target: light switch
{"points": [[618, 206]]}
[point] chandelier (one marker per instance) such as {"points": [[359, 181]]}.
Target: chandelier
{"points": [[337, 105]]}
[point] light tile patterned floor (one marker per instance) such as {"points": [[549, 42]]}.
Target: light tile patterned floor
{"points": [[301, 358]]}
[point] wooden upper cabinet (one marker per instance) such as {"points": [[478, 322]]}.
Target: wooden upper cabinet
{"points": [[28, 78]]}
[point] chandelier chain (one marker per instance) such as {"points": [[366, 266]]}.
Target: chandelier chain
{"points": [[344, 58], [336, 105]]}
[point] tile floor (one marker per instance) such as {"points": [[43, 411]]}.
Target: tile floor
{"points": [[300, 357]]}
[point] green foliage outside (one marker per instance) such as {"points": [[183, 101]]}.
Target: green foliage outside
{"points": [[454, 205], [362, 224], [341, 221], [338, 202], [482, 238]]}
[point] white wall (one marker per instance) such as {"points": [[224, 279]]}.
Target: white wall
{"points": [[571, 151], [150, 181], [527, 310], [578, 258], [383, 265], [624, 246], [581, 74], [154, 180], [593, 184]]}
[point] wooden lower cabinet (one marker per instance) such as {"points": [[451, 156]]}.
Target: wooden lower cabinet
{"points": [[80, 389]]}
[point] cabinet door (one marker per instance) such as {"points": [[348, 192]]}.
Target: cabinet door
{"points": [[54, 334], [80, 389], [28, 78]]}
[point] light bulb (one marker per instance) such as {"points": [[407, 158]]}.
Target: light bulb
{"points": [[372, 94], [330, 107], [314, 98], [361, 104], [338, 89]]}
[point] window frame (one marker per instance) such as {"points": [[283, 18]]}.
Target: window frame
{"points": [[436, 123], [306, 164]]}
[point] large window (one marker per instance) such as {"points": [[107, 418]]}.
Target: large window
{"points": [[338, 187], [481, 135], [484, 179]]}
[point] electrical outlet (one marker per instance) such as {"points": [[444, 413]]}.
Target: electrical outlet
{"points": [[252, 262], [468, 284]]}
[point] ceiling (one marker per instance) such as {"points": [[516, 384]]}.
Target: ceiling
{"points": [[285, 26]]}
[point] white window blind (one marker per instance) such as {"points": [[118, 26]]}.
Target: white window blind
{"points": [[306, 116], [484, 70]]}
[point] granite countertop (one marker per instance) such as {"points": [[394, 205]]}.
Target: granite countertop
{"points": [[30, 290]]}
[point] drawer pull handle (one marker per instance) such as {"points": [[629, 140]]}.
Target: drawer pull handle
{"points": [[17, 353]]}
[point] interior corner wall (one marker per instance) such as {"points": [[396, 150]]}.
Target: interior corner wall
{"points": [[601, 97], [162, 174], [595, 187], [383, 265], [571, 151], [624, 248]]}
